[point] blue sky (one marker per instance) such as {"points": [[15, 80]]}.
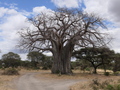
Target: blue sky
{"points": [[27, 4], [14, 13]]}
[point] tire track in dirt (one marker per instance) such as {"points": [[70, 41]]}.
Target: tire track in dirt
{"points": [[29, 82]]}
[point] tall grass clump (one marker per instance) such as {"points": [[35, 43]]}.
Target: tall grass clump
{"points": [[10, 71], [105, 85]]}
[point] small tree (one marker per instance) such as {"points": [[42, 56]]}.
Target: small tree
{"points": [[35, 57], [26, 64], [116, 66], [47, 62], [11, 60]]}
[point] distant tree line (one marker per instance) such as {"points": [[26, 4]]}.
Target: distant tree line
{"points": [[35, 60], [86, 58]]}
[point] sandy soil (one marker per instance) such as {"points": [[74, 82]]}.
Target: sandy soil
{"points": [[29, 81]]}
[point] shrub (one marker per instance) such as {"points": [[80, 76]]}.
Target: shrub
{"points": [[118, 87], [11, 71], [87, 69], [110, 87], [96, 82], [44, 68], [113, 87], [106, 73], [35, 68], [57, 71]]}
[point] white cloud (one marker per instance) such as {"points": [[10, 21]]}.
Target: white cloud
{"points": [[114, 9], [115, 33], [12, 21], [38, 10], [4, 11], [67, 3], [99, 7], [109, 10]]}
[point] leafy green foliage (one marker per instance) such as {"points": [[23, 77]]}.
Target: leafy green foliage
{"points": [[116, 73], [47, 63], [113, 87], [35, 57], [95, 56], [11, 60], [116, 66], [38, 60], [26, 64]]}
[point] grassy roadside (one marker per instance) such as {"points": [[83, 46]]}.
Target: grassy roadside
{"points": [[88, 80], [5, 80], [98, 82]]}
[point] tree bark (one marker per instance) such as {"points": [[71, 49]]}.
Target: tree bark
{"points": [[61, 61], [95, 70]]}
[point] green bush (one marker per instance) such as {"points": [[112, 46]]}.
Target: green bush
{"points": [[10, 71], [106, 73], [113, 87], [118, 87], [57, 71], [109, 87], [44, 68], [87, 69], [35, 68]]}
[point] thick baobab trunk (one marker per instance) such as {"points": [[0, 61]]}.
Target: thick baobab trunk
{"points": [[57, 64], [61, 63]]}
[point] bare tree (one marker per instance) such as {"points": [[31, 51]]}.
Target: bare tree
{"points": [[60, 32]]}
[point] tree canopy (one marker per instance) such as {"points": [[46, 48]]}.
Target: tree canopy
{"points": [[96, 56], [35, 57], [11, 60]]}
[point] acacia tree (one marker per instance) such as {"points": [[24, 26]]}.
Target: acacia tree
{"points": [[60, 32], [35, 57], [116, 66], [11, 60], [96, 56]]}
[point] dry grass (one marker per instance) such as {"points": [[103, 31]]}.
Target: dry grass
{"points": [[86, 85], [86, 78], [5, 81], [77, 74], [46, 74]]}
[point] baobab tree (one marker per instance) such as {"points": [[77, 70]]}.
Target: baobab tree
{"points": [[60, 32]]}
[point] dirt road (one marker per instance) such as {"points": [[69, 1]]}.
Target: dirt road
{"points": [[30, 82]]}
